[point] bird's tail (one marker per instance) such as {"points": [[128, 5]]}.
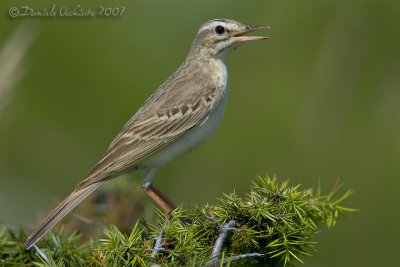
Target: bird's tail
{"points": [[58, 213]]}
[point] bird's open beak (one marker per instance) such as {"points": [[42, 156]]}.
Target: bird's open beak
{"points": [[240, 38]]}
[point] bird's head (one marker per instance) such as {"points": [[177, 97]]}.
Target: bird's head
{"points": [[216, 37]]}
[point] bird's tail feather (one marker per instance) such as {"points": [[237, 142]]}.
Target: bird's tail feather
{"points": [[58, 213]]}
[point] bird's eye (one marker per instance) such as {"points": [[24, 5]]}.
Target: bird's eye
{"points": [[219, 29]]}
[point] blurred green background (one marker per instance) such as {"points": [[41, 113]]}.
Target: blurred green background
{"points": [[318, 101]]}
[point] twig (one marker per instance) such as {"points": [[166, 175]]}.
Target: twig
{"points": [[158, 245], [210, 218], [243, 256], [42, 255], [226, 228]]}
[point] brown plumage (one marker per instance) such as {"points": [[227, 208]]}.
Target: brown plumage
{"points": [[183, 112]]}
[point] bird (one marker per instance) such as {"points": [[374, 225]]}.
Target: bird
{"points": [[180, 115]]}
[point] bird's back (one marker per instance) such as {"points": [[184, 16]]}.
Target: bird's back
{"points": [[188, 96]]}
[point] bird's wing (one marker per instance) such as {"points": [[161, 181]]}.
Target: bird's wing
{"points": [[143, 136]]}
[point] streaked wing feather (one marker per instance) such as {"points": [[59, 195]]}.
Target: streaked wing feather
{"points": [[140, 139]]}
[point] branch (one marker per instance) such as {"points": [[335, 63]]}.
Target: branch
{"points": [[158, 245], [273, 224], [226, 228], [243, 256]]}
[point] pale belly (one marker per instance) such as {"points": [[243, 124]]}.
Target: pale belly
{"points": [[190, 140]]}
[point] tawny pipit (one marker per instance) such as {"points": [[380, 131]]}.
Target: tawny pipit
{"points": [[184, 111]]}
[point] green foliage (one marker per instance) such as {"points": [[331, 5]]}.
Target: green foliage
{"points": [[272, 225]]}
